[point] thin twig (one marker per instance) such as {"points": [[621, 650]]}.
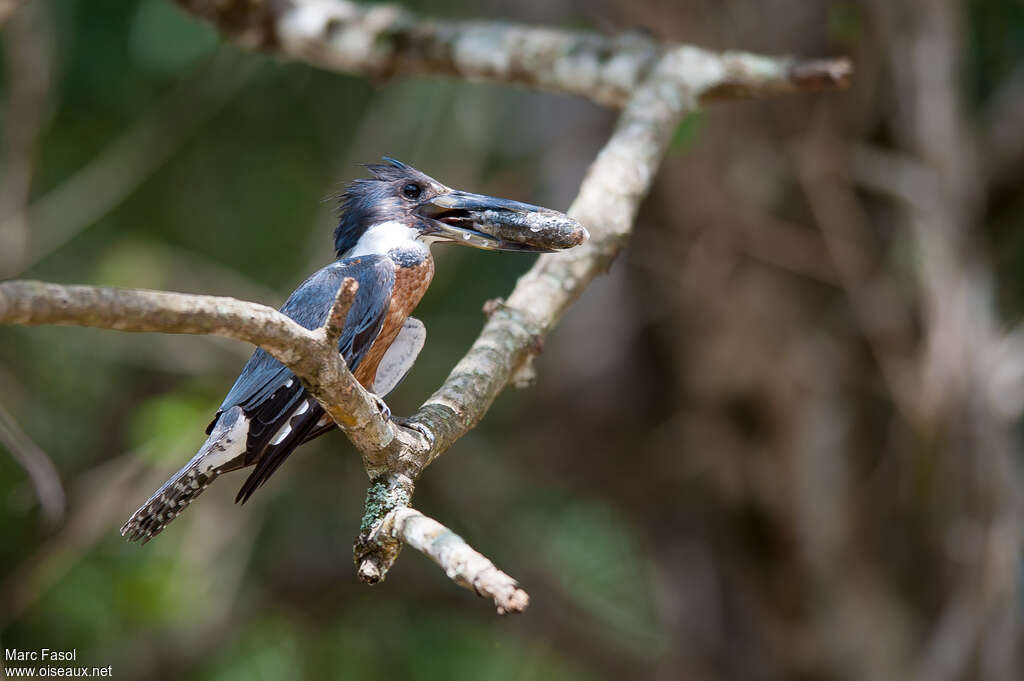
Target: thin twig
{"points": [[339, 311], [389, 523], [461, 562], [38, 466], [28, 53]]}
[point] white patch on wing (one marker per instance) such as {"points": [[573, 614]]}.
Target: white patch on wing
{"points": [[384, 237], [224, 445], [399, 358], [286, 429], [281, 434]]}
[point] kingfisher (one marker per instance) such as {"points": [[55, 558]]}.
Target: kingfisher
{"points": [[386, 226]]}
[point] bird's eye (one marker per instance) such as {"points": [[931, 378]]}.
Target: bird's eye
{"points": [[412, 191]]}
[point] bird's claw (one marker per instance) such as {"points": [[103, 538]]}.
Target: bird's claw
{"points": [[425, 432], [418, 427], [383, 407]]}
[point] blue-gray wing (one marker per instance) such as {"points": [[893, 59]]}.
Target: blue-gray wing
{"points": [[270, 395], [309, 305]]}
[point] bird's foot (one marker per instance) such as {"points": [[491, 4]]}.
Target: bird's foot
{"points": [[418, 427], [385, 410]]}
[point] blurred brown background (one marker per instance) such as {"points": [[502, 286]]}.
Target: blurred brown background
{"points": [[780, 440]]}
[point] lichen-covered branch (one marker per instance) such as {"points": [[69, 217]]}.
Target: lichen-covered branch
{"points": [[383, 41], [309, 354], [461, 562], [375, 551]]}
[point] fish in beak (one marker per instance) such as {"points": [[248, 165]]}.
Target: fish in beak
{"points": [[499, 224]]}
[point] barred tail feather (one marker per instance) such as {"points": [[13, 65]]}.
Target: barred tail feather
{"points": [[164, 506], [223, 451]]}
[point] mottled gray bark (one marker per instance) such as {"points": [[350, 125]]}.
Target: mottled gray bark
{"points": [[388, 40]]}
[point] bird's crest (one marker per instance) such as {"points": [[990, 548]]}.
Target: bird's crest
{"points": [[366, 196]]}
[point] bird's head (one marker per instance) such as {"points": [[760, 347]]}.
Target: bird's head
{"points": [[399, 196]]}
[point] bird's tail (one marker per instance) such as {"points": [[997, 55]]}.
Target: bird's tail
{"points": [[223, 451]]}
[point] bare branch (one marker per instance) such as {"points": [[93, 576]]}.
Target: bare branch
{"points": [[28, 52], [461, 562], [317, 364], [339, 311], [752, 75], [389, 523], [384, 41], [33, 303], [38, 466]]}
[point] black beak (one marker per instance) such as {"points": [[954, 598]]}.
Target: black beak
{"points": [[499, 224]]}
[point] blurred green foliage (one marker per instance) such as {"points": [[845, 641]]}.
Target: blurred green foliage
{"points": [[996, 41]]}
